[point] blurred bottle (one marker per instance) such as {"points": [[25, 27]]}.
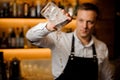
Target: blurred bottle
{"points": [[15, 73], [20, 10], [17, 38], [4, 41], [5, 70], [11, 9], [7, 67], [33, 10], [12, 38], [14, 7], [38, 8], [26, 9], [1, 12], [6, 9], [21, 35], [2, 68]]}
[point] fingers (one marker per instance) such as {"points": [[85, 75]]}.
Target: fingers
{"points": [[67, 14], [51, 27]]}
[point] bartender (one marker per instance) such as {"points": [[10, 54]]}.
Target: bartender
{"points": [[78, 55]]}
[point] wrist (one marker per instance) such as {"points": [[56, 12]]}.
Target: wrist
{"points": [[50, 27]]}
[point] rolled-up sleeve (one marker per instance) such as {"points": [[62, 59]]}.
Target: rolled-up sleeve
{"points": [[37, 32], [38, 36]]}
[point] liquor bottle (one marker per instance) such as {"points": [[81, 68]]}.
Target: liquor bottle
{"points": [[26, 9], [5, 70], [10, 9], [21, 35], [1, 65], [38, 8], [17, 38], [4, 41], [6, 9], [2, 68], [14, 7], [15, 73], [20, 10], [33, 10], [12, 38], [1, 12]]}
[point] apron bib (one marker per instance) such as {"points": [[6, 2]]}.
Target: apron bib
{"points": [[80, 68]]}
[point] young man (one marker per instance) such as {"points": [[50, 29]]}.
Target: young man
{"points": [[77, 55]]}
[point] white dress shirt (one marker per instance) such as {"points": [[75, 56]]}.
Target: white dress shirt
{"points": [[60, 44]]}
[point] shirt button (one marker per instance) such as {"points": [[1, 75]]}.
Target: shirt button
{"points": [[72, 58], [62, 66]]}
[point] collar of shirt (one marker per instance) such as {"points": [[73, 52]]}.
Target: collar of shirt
{"points": [[81, 45]]}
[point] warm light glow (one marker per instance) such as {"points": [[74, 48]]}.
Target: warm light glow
{"points": [[6, 23], [42, 53], [19, 22]]}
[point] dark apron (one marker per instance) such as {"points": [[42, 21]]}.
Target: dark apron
{"points": [[80, 68]]}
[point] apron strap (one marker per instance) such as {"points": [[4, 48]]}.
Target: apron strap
{"points": [[72, 46], [94, 51]]}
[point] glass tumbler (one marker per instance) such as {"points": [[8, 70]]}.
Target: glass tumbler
{"points": [[55, 15]]}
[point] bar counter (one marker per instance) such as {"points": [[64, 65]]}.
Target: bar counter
{"points": [[35, 63]]}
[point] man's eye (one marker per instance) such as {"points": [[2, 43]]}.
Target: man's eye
{"points": [[91, 22], [80, 20]]}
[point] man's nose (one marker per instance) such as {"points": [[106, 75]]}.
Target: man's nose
{"points": [[85, 25]]}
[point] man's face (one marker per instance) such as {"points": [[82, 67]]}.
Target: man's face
{"points": [[86, 20]]}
